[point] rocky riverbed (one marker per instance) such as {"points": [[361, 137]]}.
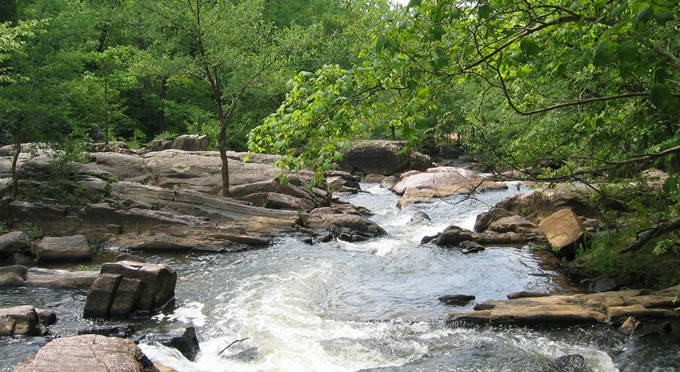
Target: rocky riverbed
{"points": [[339, 276]]}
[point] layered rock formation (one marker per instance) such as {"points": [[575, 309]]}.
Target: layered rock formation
{"points": [[613, 307], [416, 186], [25, 320], [92, 353], [126, 286]]}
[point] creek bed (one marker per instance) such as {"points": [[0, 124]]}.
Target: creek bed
{"points": [[341, 306]]}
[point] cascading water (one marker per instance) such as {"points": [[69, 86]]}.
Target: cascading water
{"points": [[341, 306]]}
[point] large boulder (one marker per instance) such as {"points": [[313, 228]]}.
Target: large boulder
{"points": [[383, 157], [190, 142], [92, 353], [12, 242], [348, 227], [538, 204], [201, 170], [20, 320], [563, 230], [65, 248], [457, 236], [124, 287], [417, 186]]}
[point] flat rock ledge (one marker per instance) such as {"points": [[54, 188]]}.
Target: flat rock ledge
{"points": [[22, 276], [92, 353], [614, 308]]}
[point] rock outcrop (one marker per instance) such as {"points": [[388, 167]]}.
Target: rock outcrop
{"points": [[25, 320], [21, 276], [88, 353], [125, 287], [383, 157], [457, 236], [416, 186], [343, 226], [563, 230], [607, 307], [13, 242], [190, 142], [65, 248]]}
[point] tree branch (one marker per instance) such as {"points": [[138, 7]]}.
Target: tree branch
{"points": [[644, 236]]}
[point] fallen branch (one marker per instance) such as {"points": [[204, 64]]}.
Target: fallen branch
{"points": [[655, 231], [233, 342]]}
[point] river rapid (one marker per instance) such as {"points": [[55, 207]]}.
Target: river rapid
{"points": [[372, 305]]}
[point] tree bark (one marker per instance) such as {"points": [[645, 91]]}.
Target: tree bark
{"points": [[653, 232], [15, 159]]}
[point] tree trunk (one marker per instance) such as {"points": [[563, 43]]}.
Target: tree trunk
{"points": [[15, 159], [222, 147]]}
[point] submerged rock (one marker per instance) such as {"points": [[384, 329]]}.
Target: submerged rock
{"points": [[92, 353], [185, 341], [25, 320], [569, 363], [419, 218], [457, 300]]}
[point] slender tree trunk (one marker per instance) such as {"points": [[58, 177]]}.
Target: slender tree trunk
{"points": [[15, 159], [222, 147]]}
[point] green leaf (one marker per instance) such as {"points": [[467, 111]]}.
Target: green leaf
{"points": [[413, 3], [602, 55], [380, 43], [529, 47], [663, 17], [422, 122], [455, 13], [442, 60], [659, 94], [671, 185], [627, 51], [437, 32], [644, 15], [485, 11], [338, 156]]}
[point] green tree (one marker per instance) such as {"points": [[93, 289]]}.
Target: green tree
{"points": [[598, 76], [229, 46]]}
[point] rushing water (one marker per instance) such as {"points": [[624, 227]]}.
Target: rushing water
{"points": [[341, 306]]}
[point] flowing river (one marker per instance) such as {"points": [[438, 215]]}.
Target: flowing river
{"points": [[371, 305]]}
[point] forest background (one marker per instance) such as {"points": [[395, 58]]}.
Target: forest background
{"points": [[585, 91]]}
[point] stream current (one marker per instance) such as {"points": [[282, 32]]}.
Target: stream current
{"points": [[372, 305]]}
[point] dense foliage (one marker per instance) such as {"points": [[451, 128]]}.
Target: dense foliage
{"points": [[134, 70], [584, 91]]}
